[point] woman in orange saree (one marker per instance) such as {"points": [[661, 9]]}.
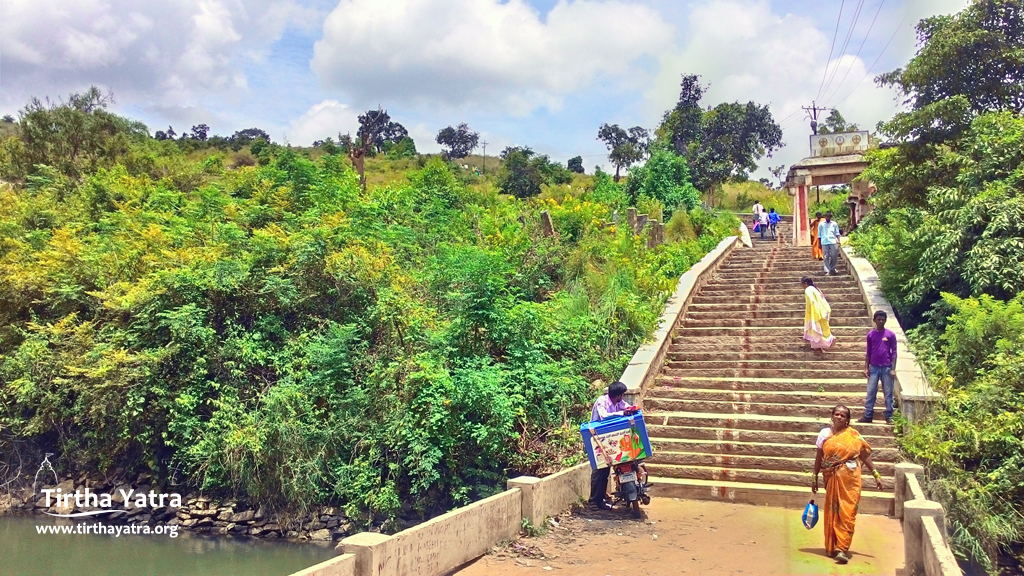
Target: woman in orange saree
{"points": [[841, 453], [816, 252]]}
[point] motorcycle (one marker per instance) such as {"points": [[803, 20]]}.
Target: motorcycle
{"points": [[631, 485]]}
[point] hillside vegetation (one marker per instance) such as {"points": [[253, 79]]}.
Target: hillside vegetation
{"points": [[275, 332], [947, 238]]}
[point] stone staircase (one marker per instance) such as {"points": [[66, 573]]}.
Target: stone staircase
{"points": [[738, 404]]}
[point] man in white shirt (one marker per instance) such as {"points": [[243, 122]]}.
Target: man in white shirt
{"points": [[828, 235]]}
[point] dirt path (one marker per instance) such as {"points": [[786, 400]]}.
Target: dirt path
{"points": [[692, 537]]}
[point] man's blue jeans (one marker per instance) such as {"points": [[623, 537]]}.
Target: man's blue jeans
{"points": [[876, 373]]}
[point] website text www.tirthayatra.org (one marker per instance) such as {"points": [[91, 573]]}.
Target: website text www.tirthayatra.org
{"points": [[114, 530]]}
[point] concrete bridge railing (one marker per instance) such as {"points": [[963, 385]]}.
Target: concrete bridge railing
{"points": [[925, 543]]}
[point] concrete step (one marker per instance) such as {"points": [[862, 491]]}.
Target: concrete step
{"points": [[683, 354], [805, 451], [769, 423], [792, 332], [753, 462], [850, 385], [785, 397], [728, 407], [794, 497], [854, 306], [770, 314], [791, 299], [827, 285], [798, 477], [804, 439], [710, 322], [801, 373], [731, 346], [775, 271], [847, 288], [824, 362]]}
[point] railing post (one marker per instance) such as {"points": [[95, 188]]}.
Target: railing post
{"points": [[901, 493], [913, 531]]}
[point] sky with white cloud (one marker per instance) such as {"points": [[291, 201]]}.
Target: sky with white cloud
{"points": [[543, 73]]}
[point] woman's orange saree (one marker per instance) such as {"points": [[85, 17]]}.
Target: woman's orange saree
{"points": [[816, 251], [842, 487]]}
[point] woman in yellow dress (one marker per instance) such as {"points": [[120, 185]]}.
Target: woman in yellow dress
{"points": [[841, 453], [816, 314]]}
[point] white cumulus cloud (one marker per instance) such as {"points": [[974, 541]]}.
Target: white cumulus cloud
{"points": [[155, 53], [327, 118], [481, 52]]}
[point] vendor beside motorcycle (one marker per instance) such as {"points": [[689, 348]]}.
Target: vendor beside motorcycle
{"points": [[611, 404]]}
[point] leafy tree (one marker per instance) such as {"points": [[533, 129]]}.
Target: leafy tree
{"points": [[835, 123], [665, 177], [392, 133], [200, 132], [170, 134], [967, 64], [722, 143], [625, 147], [404, 148], [459, 141], [8, 118], [520, 174], [575, 164], [243, 138], [75, 137]]}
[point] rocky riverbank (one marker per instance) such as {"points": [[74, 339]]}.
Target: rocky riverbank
{"points": [[196, 513]]}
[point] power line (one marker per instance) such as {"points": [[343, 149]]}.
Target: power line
{"points": [[855, 56], [846, 43], [834, 36], [873, 64]]}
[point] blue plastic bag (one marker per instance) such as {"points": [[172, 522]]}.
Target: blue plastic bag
{"points": [[810, 516]]}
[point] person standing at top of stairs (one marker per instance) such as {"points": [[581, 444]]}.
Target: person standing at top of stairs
{"points": [[828, 235], [773, 222]]}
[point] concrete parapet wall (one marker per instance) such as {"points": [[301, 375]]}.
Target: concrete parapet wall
{"points": [[543, 497], [925, 544], [643, 368], [344, 565], [913, 391], [938, 558], [441, 544]]}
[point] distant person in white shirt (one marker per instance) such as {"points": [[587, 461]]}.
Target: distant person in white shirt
{"points": [[828, 234]]}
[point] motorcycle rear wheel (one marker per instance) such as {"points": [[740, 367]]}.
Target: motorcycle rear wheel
{"points": [[635, 508]]}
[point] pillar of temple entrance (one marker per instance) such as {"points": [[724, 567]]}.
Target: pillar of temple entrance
{"points": [[801, 223]]}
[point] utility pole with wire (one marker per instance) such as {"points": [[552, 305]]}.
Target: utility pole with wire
{"points": [[484, 144], [812, 113]]}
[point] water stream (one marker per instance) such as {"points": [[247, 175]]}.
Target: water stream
{"points": [[26, 552]]}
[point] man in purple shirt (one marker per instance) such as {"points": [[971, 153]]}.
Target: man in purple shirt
{"points": [[611, 404], [879, 364]]}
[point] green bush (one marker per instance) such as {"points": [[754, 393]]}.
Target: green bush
{"points": [[278, 334], [973, 447]]}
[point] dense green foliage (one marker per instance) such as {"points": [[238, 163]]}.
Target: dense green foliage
{"points": [[947, 238], [666, 177], [523, 172], [276, 332], [974, 446]]}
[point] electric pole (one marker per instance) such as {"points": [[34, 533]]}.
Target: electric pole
{"points": [[812, 113], [484, 144]]}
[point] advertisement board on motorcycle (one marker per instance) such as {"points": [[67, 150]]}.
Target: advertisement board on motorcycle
{"points": [[616, 440]]}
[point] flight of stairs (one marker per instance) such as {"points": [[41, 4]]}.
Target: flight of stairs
{"points": [[738, 404]]}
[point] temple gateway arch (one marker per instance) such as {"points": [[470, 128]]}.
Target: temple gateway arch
{"points": [[835, 159]]}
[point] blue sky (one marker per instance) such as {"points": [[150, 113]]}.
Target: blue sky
{"points": [[543, 73]]}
